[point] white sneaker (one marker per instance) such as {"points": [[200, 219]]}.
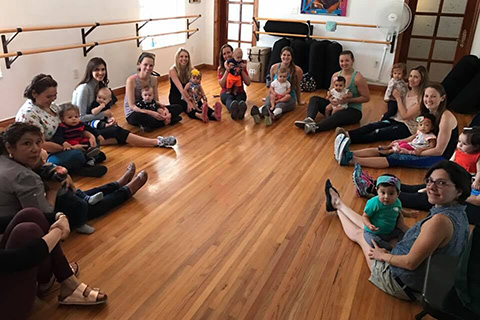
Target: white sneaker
{"points": [[336, 146], [166, 142]]}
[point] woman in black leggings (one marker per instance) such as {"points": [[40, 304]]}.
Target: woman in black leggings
{"points": [[403, 124], [357, 86]]}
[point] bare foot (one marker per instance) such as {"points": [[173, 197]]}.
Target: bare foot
{"points": [[138, 182], [335, 198], [128, 175]]}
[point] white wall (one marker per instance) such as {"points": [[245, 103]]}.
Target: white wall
{"points": [[120, 57], [357, 12]]}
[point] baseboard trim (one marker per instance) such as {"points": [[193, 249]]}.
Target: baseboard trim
{"points": [[119, 91], [377, 87], [5, 123]]}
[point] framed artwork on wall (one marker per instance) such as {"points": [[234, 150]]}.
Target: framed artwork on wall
{"points": [[328, 7]]}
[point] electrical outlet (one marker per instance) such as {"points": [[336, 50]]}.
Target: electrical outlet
{"points": [[376, 64], [75, 74]]}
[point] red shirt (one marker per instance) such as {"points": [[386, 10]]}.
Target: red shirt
{"points": [[467, 161]]}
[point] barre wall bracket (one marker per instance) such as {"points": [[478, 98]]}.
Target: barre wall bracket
{"points": [[257, 28], [5, 43], [84, 38], [137, 32], [189, 34]]}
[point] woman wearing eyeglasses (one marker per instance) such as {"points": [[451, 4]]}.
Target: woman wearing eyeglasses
{"points": [[434, 102], [401, 272]]}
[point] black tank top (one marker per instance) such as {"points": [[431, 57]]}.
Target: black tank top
{"points": [[175, 95], [452, 144]]}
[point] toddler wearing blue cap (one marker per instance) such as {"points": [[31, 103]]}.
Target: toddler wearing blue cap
{"points": [[382, 215]]}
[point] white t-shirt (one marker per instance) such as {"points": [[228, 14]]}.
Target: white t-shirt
{"points": [[422, 140], [280, 87], [338, 95]]}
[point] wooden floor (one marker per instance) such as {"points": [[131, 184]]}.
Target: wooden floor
{"points": [[231, 225]]}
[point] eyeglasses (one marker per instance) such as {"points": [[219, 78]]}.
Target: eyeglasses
{"points": [[440, 184]]}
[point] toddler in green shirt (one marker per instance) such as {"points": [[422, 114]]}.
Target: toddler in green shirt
{"points": [[382, 215]]}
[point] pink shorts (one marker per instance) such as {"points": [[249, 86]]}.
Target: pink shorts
{"points": [[279, 96], [405, 145]]}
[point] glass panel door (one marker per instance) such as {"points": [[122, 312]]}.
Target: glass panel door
{"points": [[436, 36], [239, 24]]}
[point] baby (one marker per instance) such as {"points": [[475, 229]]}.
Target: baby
{"points": [[382, 216], [73, 134], [102, 103], [280, 88], [338, 92], [424, 139], [397, 81], [194, 92], [148, 103], [234, 77]]}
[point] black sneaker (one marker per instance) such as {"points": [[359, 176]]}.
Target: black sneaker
{"points": [[255, 113], [95, 171], [242, 108], [234, 110], [101, 157]]}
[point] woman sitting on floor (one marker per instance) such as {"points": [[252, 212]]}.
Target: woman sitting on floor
{"points": [[294, 76], [401, 272], [31, 259], [40, 111], [21, 187], [435, 102], [356, 85], [235, 103], [143, 117], [179, 75], [403, 124], [95, 78]]}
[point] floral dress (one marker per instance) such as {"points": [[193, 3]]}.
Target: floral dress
{"points": [[32, 114]]}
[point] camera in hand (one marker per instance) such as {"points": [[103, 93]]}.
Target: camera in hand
{"points": [[52, 172]]}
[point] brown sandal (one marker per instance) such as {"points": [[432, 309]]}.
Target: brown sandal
{"points": [[78, 297]]}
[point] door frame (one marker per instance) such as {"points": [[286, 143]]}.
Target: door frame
{"points": [[220, 32], [469, 23]]}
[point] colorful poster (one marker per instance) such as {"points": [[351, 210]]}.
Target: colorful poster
{"points": [[328, 7]]}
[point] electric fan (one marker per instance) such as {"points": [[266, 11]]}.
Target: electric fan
{"points": [[394, 17]]}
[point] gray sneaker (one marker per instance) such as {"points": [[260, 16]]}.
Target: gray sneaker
{"points": [[301, 123], [310, 127], [85, 229], [166, 142]]}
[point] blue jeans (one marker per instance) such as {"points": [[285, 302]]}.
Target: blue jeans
{"points": [[73, 160], [228, 98]]}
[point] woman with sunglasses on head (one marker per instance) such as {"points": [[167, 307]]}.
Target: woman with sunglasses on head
{"points": [[95, 78], [401, 271], [145, 118]]}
